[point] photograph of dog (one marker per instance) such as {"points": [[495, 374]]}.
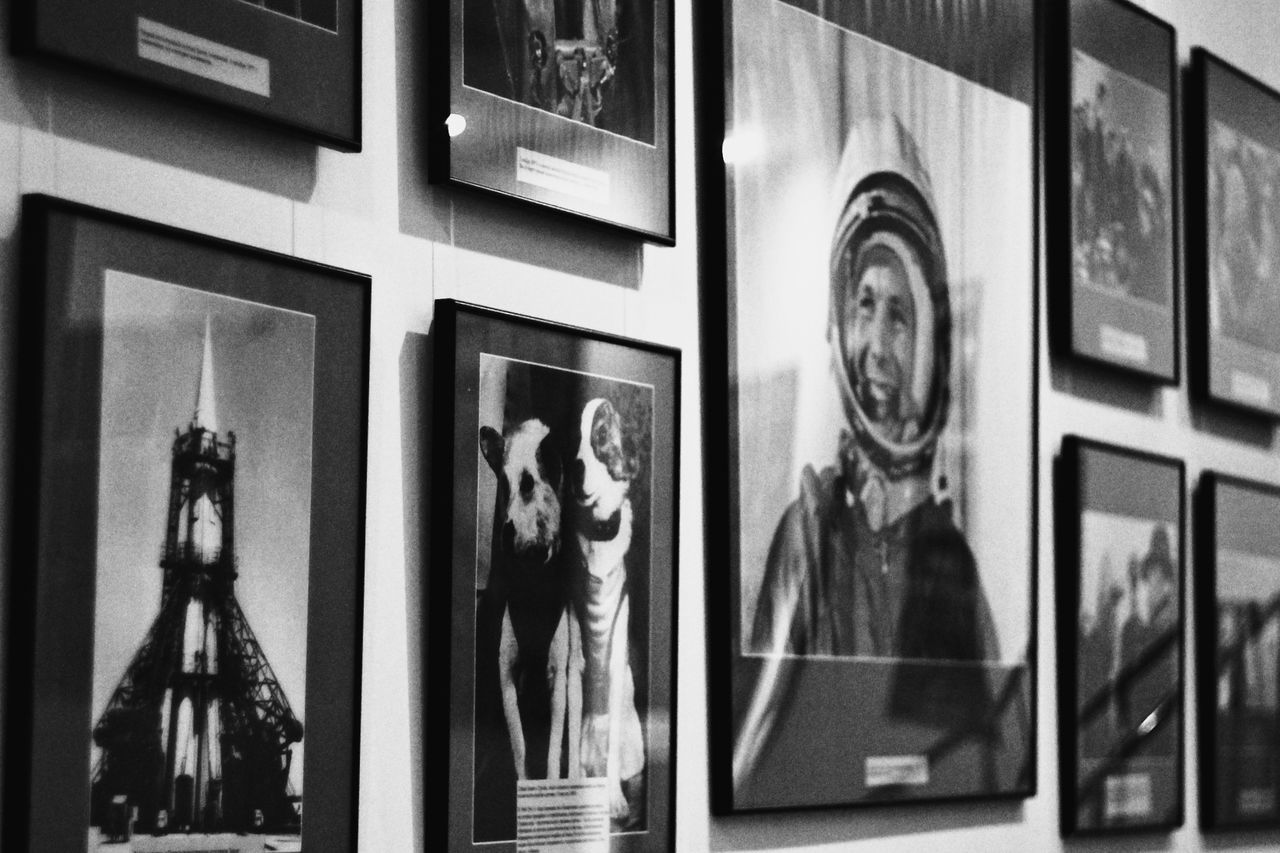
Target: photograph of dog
{"points": [[562, 598], [600, 524], [527, 580]]}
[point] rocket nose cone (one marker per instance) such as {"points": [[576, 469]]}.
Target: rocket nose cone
{"points": [[206, 415]]}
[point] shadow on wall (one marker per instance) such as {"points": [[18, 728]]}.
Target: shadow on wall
{"points": [[804, 828], [1246, 428], [23, 99], [524, 233], [90, 107], [416, 398], [424, 212], [1115, 843], [1099, 385], [184, 134], [475, 221], [1253, 839]]}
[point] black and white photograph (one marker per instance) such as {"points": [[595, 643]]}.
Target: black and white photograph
{"points": [[1111, 187], [1120, 573], [1238, 596], [562, 600], [589, 61], [194, 442], [1233, 134], [881, 351], [1121, 169], [206, 452], [1244, 240], [562, 587], [291, 64], [566, 104]]}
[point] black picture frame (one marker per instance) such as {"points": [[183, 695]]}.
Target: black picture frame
{"points": [[1120, 677], [1237, 562], [525, 395], [1232, 127], [806, 750], [507, 118], [110, 304], [295, 64], [1110, 96]]}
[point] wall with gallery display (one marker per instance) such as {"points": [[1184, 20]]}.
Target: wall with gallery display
{"points": [[240, 325]]}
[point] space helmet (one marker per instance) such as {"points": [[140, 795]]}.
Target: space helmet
{"points": [[885, 204]]}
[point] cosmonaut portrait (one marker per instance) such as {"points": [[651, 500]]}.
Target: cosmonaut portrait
{"points": [[882, 389]]}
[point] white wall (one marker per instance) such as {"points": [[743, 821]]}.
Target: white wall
{"points": [[72, 135]]}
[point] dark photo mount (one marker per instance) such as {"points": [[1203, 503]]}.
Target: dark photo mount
{"points": [[295, 64], [845, 485], [1237, 607], [186, 629], [1111, 187], [1120, 576], [564, 103], [553, 622], [1233, 237]]}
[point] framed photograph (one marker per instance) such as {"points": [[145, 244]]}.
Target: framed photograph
{"points": [[1233, 223], [870, 405], [1119, 523], [553, 618], [1111, 187], [294, 63], [185, 668], [1237, 600], [565, 103]]}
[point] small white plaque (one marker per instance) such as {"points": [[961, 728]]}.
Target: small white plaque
{"points": [[1256, 801], [1250, 388], [562, 176], [883, 770], [203, 58], [1126, 346], [1127, 795], [562, 816]]}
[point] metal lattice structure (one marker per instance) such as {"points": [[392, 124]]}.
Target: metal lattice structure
{"points": [[198, 735]]}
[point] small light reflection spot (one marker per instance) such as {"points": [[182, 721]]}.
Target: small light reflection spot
{"points": [[741, 146]]}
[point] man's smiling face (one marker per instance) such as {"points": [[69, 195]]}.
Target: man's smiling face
{"points": [[879, 331]]}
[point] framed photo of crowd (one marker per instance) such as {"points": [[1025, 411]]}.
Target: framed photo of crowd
{"points": [[553, 623], [1111, 186], [564, 103], [186, 665], [1233, 214], [294, 63], [1237, 600], [1120, 576], [870, 400]]}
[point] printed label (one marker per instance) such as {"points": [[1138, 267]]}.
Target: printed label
{"points": [[1250, 388], [562, 816], [1127, 795], [552, 173], [885, 770], [1120, 344], [1256, 801], [203, 58]]}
